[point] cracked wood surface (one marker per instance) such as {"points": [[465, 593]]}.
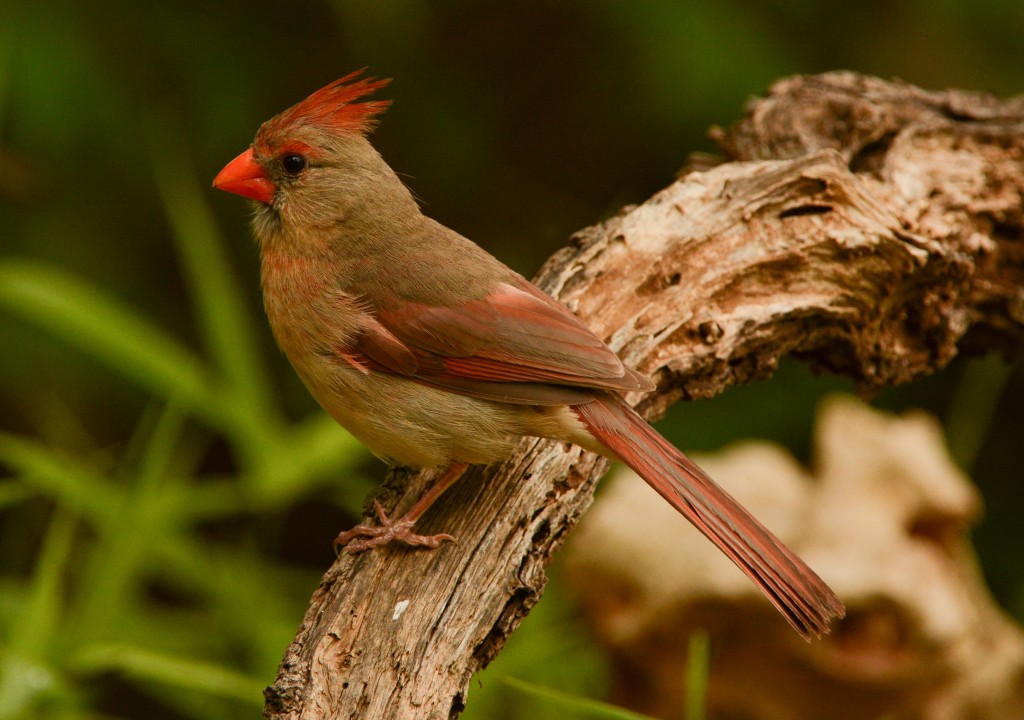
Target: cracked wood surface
{"points": [[868, 227]]}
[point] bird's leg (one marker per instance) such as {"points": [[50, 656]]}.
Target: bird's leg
{"points": [[400, 530]]}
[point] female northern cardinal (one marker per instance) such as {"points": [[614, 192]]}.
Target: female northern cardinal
{"points": [[435, 354]]}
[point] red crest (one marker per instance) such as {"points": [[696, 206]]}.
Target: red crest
{"points": [[333, 107]]}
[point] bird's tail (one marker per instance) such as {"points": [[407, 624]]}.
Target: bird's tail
{"points": [[799, 594]]}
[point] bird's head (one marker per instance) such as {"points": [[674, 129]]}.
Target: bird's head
{"points": [[311, 166]]}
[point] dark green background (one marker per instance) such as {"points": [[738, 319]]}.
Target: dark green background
{"points": [[515, 123]]}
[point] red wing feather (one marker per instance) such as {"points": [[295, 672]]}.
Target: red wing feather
{"points": [[516, 345], [386, 351], [511, 335]]}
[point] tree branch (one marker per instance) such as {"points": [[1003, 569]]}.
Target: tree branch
{"points": [[871, 228]]}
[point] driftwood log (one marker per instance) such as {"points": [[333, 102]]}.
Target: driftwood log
{"points": [[868, 227], [882, 511]]}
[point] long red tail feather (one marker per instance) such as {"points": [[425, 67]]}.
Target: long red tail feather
{"points": [[799, 594]]}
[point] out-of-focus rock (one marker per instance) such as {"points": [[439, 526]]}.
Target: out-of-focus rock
{"points": [[883, 518]]}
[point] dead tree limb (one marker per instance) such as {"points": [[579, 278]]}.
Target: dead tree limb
{"points": [[870, 228]]}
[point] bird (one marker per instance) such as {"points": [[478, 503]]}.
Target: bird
{"points": [[435, 354]]}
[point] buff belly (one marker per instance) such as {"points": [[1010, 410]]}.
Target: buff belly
{"points": [[403, 421]]}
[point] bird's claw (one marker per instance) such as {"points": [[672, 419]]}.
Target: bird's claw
{"points": [[389, 530]]}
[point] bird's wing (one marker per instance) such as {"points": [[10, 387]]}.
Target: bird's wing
{"points": [[515, 345]]}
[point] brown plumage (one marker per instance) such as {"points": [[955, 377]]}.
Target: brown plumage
{"points": [[435, 354]]}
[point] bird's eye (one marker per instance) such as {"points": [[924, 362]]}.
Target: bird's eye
{"points": [[293, 163]]}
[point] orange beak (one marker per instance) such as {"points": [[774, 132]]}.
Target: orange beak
{"points": [[243, 176]]}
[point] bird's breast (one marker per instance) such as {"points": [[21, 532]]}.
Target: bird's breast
{"points": [[307, 312]]}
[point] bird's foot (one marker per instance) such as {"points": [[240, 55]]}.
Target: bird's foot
{"points": [[389, 530]]}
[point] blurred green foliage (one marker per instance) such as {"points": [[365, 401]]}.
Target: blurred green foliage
{"points": [[169, 492]]}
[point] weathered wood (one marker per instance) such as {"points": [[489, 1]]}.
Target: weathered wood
{"points": [[883, 511], [870, 228]]}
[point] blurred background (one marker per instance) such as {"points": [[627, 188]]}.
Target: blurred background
{"points": [[169, 492]]}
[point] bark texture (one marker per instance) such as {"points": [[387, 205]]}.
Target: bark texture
{"points": [[869, 227]]}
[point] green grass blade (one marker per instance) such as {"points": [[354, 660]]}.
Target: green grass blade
{"points": [[159, 453], [35, 628], [12, 493], [71, 485], [184, 673], [574, 705], [25, 672], [316, 451], [100, 326], [107, 579], [698, 668], [225, 321]]}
